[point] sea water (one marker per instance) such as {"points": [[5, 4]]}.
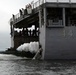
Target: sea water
{"points": [[13, 65]]}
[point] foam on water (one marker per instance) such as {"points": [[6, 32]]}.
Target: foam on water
{"points": [[10, 57], [32, 47], [13, 65]]}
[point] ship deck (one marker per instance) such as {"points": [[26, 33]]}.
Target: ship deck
{"points": [[27, 19]]}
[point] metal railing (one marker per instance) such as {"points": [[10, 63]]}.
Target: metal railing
{"points": [[38, 3], [62, 1]]}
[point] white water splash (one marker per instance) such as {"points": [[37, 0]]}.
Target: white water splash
{"points": [[32, 47]]}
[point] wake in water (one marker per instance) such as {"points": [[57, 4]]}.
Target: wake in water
{"points": [[10, 57], [13, 65]]}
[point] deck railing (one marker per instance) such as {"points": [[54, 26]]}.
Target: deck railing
{"points": [[33, 4], [38, 3], [62, 1]]}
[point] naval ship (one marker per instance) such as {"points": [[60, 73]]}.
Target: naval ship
{"points": [[54, 24]]}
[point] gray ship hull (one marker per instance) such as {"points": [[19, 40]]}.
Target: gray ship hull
{"points": [[60, 43]]}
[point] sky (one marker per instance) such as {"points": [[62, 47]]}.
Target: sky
{"points": [[7, 8]]}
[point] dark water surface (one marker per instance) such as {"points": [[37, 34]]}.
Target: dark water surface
{"points": [[12, 65]]}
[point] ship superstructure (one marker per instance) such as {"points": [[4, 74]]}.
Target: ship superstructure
{"points": [[54, 24]]}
